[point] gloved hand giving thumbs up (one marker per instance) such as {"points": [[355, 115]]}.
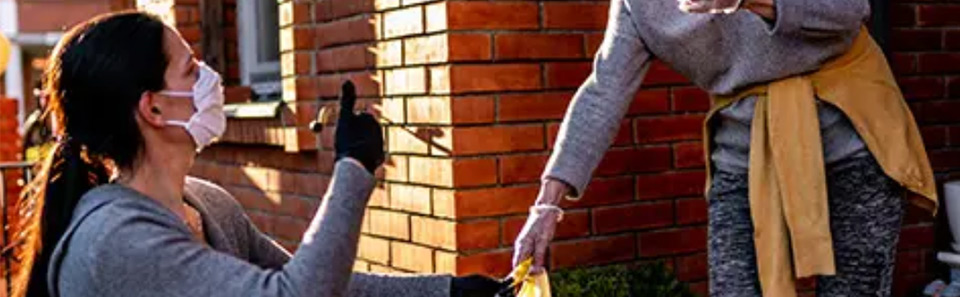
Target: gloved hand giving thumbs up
{"points": [[359, 135]]}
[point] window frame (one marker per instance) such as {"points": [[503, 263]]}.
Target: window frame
{"points": [[248, 37]]}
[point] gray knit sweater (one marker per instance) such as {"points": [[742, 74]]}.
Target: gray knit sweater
{"points": [[122, 243], [719, 53]]}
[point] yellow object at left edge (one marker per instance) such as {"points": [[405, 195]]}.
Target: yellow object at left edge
{"points": [[530, 285], [4, 53]]}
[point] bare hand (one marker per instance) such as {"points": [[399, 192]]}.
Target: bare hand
{"points": [[763, 8], [710, 6], [535, 237]]}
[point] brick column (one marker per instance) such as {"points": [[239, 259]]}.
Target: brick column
{"points": [[472, 93]]}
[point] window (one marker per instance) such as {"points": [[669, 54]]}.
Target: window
{"points": [[259, 36]]}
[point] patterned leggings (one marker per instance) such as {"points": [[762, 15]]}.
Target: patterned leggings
{"points": [[866, 208]]}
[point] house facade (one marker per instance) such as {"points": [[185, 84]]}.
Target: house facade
{"points": [[471, 94]]}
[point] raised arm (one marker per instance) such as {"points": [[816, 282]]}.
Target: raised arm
{"points": [[267, 253], [129, 249]]}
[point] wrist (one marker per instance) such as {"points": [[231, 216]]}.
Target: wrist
{"points": [[552, 192], [540, 209], [351, 160]]}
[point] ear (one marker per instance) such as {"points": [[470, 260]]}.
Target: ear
{"points": [[149, 111]]}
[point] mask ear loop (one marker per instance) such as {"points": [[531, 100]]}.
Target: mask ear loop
{"points": [[181, 95], [177, 94]]}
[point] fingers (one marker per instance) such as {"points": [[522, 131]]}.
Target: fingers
{"points": [[689, 7], [371, 125], [348, 99], [709, 6], [521, 251], [694, 6], [539, 256]]}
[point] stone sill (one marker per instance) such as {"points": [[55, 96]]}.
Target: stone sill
{"points": [[257, 123], [253, 110]]}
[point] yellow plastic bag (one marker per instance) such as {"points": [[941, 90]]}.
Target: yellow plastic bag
{"points": [[530, 285]]}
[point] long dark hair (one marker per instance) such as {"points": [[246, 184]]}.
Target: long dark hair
{"points": [[94, 81]]}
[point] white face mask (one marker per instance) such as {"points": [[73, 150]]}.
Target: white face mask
{"points": [[208, 122]]}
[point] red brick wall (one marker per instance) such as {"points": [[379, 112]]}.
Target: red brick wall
{"points": [[10, 151], [926, 58], [58, 15], [187, 16], [645, 201], [281, 191], [10, 144], [472, 93]]}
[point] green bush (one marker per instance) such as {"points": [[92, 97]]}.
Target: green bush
{"points": [[648, 280]]}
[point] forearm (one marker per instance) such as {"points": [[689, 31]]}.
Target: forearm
{"points": [[595, 113], [370, 285], [166, 253], [331, 240]]}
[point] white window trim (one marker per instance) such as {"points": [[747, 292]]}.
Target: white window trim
{"points": [[247, 37]]}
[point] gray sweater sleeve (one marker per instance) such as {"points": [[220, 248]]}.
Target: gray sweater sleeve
{"points": [[594, 115], [819, 18], [134, 250], [268, 253]]}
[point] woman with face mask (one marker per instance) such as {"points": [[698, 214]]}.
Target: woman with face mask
{"points": [[113, 212]]}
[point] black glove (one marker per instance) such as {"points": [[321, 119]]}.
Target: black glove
{"points": [[358, 136], [479, 286]]}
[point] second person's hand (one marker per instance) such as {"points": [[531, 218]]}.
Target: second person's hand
{"points": [[710, 6], [538, 231], [763, 8]]}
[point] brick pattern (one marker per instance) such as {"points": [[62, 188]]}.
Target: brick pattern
{"points": [[186, 16], [280, 191], [58, 15], [925, 56], [472, 94], [11, 148], [644, 203], [397, 53]]}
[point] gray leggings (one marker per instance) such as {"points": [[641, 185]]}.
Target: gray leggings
{"points": [[866, 208]]}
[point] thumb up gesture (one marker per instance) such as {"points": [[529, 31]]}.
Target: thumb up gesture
{"points": [[359, 135]]}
